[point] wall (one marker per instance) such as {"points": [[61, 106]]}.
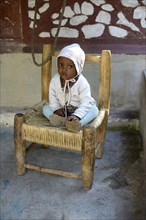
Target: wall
{"points": [[103, 24], [21, 79], [143, 111]]}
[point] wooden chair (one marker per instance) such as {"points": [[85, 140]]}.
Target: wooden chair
{"points": [[35, 128]]}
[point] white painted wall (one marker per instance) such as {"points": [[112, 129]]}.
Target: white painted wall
{"points": [[20, 80], [143, 113]]}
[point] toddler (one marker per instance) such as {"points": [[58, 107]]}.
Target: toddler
{"points": [[70, 101]]}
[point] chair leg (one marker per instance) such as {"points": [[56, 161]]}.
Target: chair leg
{"points": [[20, 144], [101, 137], [88, 157]]}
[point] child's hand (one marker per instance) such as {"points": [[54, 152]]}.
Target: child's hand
{"points": [[72, 118], [60, 112]]}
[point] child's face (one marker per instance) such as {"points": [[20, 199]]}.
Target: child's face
{"points": [[66, 68]]}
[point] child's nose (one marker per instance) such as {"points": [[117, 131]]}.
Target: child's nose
{"points": [[64, 68]]}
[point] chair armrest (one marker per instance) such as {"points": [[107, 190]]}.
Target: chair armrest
{"points": [[99, 119]]}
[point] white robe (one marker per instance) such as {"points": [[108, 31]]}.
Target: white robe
{"points": [[79, 95]]}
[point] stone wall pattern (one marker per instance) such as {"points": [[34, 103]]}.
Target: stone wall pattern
{"points": [[118, 25], [91, 19]]}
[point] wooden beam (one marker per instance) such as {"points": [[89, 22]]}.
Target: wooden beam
{"points": [[46, 72], [105, 79], [88, 156], [20, 150], [52, 171]]}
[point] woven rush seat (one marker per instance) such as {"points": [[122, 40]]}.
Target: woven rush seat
{"points": [[52, 136], [36, 123]]}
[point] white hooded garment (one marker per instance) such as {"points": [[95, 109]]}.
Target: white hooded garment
{"points": [[79, 94]]}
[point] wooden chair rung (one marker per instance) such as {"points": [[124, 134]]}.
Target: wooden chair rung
{"points": [[53, 171]]}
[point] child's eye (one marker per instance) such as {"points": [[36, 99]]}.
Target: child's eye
{"points": [[60, 65], [70, 66]]}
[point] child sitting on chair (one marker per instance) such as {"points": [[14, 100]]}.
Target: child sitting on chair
{"points": [[70, 101]]}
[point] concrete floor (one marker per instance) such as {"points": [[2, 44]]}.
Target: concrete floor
{"points": [[118, 189]]}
